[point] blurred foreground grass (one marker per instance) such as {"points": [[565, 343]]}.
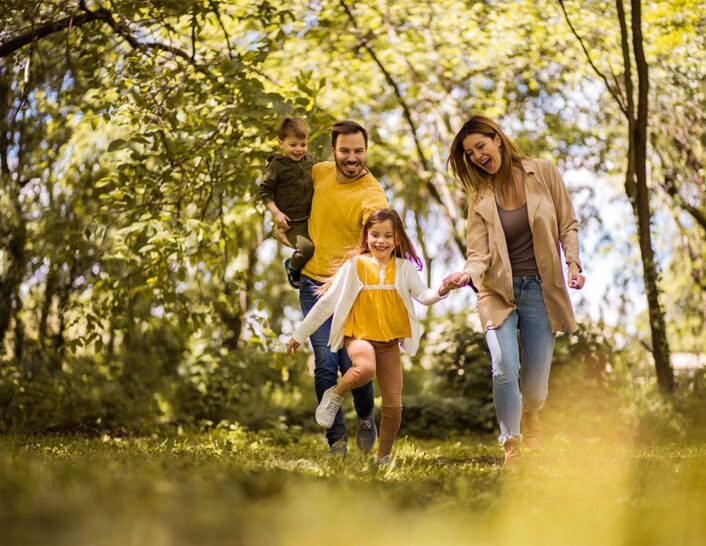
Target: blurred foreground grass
{"points": [[234, 487]]}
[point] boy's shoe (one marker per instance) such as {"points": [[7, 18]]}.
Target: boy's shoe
{"points": [[338, 449], [366, 433], [294, 277], [531, 429], [328, 408]]}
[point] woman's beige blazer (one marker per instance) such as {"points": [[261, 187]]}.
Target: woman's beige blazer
{"points": [[552, 221]]}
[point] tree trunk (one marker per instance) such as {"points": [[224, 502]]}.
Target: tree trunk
{"points": [[638, 137], [16, 233]]}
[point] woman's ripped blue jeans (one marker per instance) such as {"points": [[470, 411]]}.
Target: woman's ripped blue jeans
{"points": [[518, 386]]}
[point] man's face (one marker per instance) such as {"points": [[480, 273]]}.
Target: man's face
{"points": [[349, 154]]}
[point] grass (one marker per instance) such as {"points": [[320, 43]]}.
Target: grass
{"points": [[235, 487]]}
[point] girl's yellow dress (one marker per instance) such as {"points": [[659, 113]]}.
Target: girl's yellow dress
{"points": [[378, 313]]}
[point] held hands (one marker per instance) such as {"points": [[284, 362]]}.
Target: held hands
{"points": [[453, 281], [292, 346], [458, 279], [576, 279]]}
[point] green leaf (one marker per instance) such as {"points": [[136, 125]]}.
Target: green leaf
{"points": [[117, 144]]}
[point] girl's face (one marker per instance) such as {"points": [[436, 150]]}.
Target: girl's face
{"points": [[381, 240], [483, 151]]}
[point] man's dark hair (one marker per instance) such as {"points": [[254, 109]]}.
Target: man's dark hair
{"points": [[347, 128]]}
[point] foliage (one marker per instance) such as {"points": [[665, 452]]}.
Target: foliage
{"points": [[131, 236], [137, 284]]}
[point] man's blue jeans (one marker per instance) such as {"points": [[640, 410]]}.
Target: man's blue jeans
{"points": [[328, 364], [537, 345]]}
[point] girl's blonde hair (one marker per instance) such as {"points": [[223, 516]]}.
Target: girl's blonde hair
{"points": [[472, 177], [403, 245]]}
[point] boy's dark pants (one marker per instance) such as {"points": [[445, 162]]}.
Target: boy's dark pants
{"points": [[297, 237]]}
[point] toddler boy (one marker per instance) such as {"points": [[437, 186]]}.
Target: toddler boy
{"points": [[287, 191]]}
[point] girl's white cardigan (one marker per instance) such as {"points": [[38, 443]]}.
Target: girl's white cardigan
{"points": [[338, 300]]}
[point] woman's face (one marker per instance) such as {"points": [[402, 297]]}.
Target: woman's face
{"points": [[483, 151]]}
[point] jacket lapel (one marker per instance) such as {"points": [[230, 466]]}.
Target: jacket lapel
{"points": [[488, 209], [531, 192]]}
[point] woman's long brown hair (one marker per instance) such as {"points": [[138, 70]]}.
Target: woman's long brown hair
{"points": [[403, 245], [472, 177]]}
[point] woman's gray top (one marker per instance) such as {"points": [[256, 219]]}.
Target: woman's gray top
{"points": [[519, 241]]}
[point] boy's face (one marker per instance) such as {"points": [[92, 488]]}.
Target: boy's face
{"points": [[293, 147]]}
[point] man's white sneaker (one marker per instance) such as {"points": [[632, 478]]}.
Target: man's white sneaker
{"points": [[328, 408]]}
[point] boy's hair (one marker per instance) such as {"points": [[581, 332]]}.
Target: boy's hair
{"points": [[292, 127], [347, 127], [403, 245]]}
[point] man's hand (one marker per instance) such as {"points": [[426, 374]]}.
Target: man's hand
{"points": [[292, 346], [576, 279], [281, 220]]}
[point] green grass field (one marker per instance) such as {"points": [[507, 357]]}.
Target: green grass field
{"points": [[233, 487]]}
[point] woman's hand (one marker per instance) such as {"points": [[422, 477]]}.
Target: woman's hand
{"points": [[292, 346], [576, 279], [456, 280]]}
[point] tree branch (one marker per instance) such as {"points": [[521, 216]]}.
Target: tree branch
{"points": [[436, 195], [610, 88], [121, 28], [625, 47], [42, 31], [217, 13]]}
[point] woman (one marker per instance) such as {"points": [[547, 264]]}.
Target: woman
{"points": [[519, 212]]}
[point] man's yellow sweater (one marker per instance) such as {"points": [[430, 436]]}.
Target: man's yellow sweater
{"points": [[338, 213]]}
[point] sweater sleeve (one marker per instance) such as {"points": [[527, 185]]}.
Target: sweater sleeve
{"points": [[375, 200], [324, 307], [419, 290], [477, 247]]}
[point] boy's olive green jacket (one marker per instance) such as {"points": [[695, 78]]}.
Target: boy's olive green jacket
{"points": [[288, 184], [552, 221]]}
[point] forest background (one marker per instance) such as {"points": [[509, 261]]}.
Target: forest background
{"points": [[139, 284], [145, 395]]}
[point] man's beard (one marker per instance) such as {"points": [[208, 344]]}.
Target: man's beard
{"points": [[360, 167]]}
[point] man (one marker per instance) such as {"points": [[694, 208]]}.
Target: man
{"points": [[345, 194]]}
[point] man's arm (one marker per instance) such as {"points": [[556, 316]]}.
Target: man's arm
{"points": [[374, 200]]}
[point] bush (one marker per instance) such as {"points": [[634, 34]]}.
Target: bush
{"points": [[252, 386], [430, 416]]}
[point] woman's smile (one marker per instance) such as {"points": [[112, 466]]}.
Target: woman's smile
{"points": [[483, 151]]}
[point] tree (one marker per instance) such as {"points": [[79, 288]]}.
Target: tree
{"points": [[636, 187], [132, 137]]}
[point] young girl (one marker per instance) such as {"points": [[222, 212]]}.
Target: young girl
{"points": [[370, 297]]}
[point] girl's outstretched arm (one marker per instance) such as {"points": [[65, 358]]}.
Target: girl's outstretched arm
{"points": [[322, 310], [419, 290]]}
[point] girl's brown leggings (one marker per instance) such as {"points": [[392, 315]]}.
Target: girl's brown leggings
{"points": [[380, 359]]}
